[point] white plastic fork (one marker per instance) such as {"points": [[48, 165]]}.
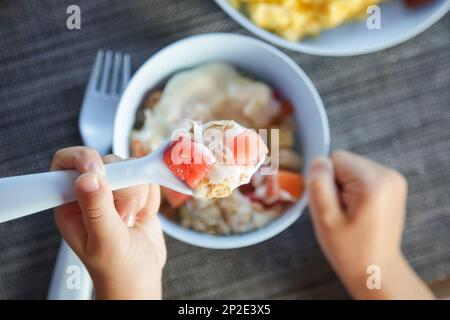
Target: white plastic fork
{"points": [[109, 77]]}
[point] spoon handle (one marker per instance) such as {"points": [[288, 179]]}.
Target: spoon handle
{"points": [[24, 195]]}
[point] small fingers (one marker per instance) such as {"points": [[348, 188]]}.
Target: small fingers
{"points": [[148, 221], [111, 158], [68, 217], [70, 223], [363, 178], [81, 159], [350, 167], [152, 228], [323, 193], [100, 217], [151, 208], [128, 201]]}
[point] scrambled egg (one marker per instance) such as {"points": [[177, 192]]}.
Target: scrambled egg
{"points": [[296, 19]]}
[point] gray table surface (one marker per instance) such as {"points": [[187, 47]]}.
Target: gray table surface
{"points": [[392, 106]]}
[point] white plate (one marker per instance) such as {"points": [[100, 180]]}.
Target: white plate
{"points": [[398, 24]]}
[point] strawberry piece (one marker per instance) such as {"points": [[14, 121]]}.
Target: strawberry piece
{"points": [[248, 148], [189, 161], [175, 199]]}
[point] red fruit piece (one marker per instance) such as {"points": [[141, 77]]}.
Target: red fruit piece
{"points": [[175, 199], [286, 108], [248, 148], [189, 161]]}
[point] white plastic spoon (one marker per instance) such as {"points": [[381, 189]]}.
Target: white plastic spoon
{"points": [[24, 195]]}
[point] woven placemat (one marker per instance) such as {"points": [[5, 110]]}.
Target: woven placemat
{"points": [[392, 106]]}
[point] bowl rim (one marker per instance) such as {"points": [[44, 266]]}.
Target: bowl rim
{"points": [[292, 214], [299, 46]]}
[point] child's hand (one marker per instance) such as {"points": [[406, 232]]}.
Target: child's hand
{"points": [[358, 215], [116, 234]]}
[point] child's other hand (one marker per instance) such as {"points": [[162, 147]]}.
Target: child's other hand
{"points": [[358, 212], [116, 234]]}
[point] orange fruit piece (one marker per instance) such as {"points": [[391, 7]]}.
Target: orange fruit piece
{"points": [[288, 181]]}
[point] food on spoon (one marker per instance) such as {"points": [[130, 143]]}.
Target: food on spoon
{"points": [[210, 92], [226, 158]]}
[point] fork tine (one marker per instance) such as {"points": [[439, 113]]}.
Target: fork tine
{"points": [[126, 69], [116, 73], [106, 71], [93, 78]]}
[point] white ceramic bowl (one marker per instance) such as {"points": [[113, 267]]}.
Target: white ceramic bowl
{"points": [[258, 59], [398, 24]]}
